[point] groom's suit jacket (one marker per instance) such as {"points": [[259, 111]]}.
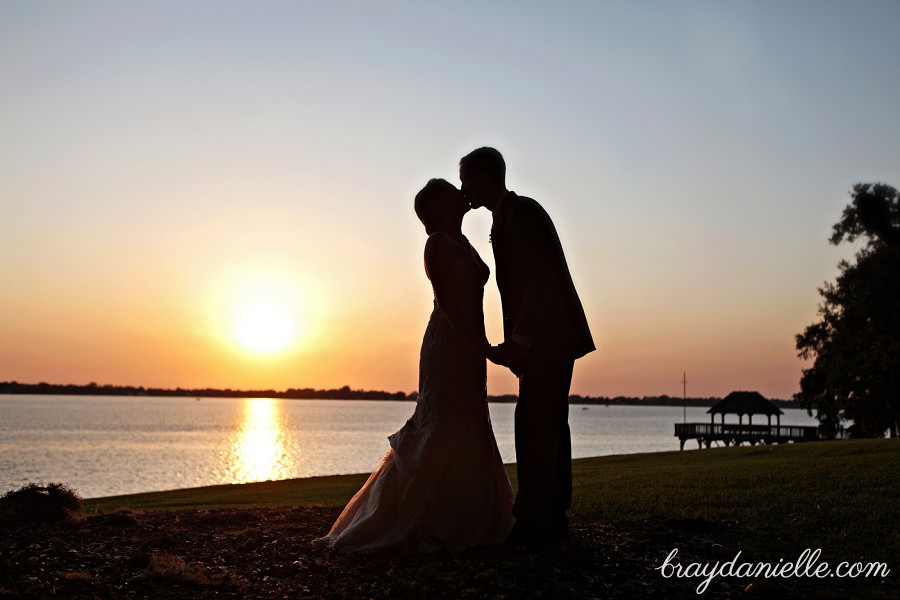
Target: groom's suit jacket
{"points": [[536, 290]]}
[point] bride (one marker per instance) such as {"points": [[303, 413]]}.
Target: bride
{"points": [[442, 485]]}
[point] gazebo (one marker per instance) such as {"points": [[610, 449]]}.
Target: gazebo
{"points": [[740, 404], [745, 403]]}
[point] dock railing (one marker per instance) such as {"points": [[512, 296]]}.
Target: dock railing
{"points": [[736, 433]]}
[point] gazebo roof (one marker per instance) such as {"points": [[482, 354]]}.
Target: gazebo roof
{"points": [[745, 403]]}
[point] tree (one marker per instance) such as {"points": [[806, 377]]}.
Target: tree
{"points": [[855, 343]]}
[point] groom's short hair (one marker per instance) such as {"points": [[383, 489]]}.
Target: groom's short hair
{"points": [[487, 160], [428, 195]]}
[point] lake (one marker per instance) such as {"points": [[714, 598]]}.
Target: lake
{"points": [[105, 446]]}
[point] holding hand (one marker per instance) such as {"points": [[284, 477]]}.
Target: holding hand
{"points": [[508, 354], [497, 355]]}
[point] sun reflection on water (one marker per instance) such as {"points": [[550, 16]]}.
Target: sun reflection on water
{"points": [[259, 451]]}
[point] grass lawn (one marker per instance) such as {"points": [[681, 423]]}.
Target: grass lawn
{"points": [[841, 496]]}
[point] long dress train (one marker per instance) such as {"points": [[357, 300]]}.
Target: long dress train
{"points": [[441, 485]]}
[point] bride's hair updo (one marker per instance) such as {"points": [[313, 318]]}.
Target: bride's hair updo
{"points": [[428, 198]]}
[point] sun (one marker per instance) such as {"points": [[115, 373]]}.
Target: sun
{"points": [[265, 317]]}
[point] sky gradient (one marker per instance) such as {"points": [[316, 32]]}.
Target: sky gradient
{"points": [[161, 160]]}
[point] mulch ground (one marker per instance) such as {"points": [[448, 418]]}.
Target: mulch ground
{"points": [[267, 553]]}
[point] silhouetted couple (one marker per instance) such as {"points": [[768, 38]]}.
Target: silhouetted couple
{"points": [[442, 485]]}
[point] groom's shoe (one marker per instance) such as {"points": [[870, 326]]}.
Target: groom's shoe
{"points": [[519, 538], [537, 539]]}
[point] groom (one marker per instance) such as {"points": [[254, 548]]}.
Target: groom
{"points": [[545, 330]]}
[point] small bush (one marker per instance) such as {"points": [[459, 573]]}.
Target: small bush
{"points": [[37, 503]]}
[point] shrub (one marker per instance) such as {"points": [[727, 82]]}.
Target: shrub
{"points": [[40, 503]]}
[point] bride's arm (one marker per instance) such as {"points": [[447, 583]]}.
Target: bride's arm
{"points": [[446, 267]]}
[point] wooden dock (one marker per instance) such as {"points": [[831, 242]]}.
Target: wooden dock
{"points": [[737, 433]]}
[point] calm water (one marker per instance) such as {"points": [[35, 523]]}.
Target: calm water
{"points": [[106, 445]]}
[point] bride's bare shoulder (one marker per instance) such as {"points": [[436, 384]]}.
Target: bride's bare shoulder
{"points": [[440, 246]]}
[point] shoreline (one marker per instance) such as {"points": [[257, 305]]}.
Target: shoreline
{"points": [[334, 490], [50, 437], [343, 394]]}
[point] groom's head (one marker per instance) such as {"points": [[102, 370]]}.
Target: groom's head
{"points": [[439, 205], [482, 174]]}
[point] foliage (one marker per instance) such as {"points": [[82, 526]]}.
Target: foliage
{"points": [[855, 343], [40, 503], [344, 393]]}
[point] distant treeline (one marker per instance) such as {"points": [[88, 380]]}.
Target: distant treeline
{"points": [[92, 389], [344, 393]]}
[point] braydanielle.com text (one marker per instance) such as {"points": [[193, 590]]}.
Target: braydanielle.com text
{"points": [[807, 565]]}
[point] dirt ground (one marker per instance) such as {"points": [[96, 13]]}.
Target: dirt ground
{"points": [[268, 553]]}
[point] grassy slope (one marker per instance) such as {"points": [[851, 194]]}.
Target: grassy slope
{"points": [[834, 495]]}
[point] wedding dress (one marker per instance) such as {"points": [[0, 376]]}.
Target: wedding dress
{"points": [[441, 485]]}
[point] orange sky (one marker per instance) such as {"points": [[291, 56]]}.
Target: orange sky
{"points": [[159, 165]]}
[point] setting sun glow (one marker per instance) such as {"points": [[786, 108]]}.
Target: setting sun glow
{"points": [[264, 317], [265, 324]]}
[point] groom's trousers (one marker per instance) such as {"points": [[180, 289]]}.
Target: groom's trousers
{"points": [[543, 450]]}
